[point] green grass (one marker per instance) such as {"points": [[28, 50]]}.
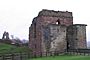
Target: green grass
{"points": [[6, 48], [63, 58]]}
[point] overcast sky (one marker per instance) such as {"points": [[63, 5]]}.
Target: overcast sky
{"points": [[16, 15]]}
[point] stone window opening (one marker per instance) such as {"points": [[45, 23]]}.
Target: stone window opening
{"points": [[57, 22]]}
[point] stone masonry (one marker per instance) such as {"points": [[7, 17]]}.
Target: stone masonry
{"points": [[76, 36], [55, 31]]}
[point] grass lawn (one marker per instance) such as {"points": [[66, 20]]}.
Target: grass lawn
{"points": [[63, 58]]}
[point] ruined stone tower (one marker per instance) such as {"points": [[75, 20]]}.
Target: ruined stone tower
{"points": [[54, 31], [76, 36]]}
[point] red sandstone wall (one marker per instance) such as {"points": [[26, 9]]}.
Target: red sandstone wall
{"points": [[42, 20], [45, 20]]}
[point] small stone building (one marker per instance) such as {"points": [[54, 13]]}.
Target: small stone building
{"points": [[55, 31]]}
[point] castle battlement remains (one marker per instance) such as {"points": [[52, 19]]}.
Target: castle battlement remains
{"points": [[54, 31]]}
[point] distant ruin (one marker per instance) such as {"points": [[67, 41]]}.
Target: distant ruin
{"points": [[5, 35], [55, 31]]}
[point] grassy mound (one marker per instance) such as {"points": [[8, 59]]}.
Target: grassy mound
{"points": [[6, 48]]}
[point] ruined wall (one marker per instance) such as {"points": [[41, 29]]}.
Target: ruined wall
{"points": [[39, 33], [46, 17], [58, 37], [54, 30], [76, 36], [80, 36], [69, 37]]}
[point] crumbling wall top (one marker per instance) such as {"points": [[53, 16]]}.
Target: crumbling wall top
{"points": [[53, 13]]}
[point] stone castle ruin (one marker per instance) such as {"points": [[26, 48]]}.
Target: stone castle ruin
{"points": [[5, 36], [55, 31]]}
